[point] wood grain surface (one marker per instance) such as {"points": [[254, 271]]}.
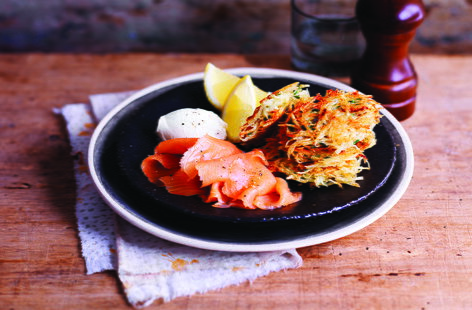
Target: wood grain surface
{"points": [[418, 256]]}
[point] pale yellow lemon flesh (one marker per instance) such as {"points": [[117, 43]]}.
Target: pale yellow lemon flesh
{"points": [[235, 97], [218, 84], [239, 105]]}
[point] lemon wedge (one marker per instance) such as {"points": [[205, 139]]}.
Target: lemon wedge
{"points": [[218, 84], [239, 105]]}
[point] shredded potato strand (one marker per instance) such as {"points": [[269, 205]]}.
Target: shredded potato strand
{"points": [[321, 139]]}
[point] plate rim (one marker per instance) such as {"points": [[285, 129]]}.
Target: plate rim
{"points": [[319, 238]]}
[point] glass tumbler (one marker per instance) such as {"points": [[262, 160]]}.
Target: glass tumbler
{"points": [[325, 37]]}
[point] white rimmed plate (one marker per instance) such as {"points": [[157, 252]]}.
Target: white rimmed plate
{"points": [[127, 135]]}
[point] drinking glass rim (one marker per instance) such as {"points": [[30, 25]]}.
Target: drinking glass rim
{"points": [[338, 19]]}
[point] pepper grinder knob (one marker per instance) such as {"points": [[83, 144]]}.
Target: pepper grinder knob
{"points": [[385, 70]]}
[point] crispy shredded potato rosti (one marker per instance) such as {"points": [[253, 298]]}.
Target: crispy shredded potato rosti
{"points": [[320, 140]]}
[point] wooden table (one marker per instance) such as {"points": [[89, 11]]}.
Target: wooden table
{"points": [[418, 256]]}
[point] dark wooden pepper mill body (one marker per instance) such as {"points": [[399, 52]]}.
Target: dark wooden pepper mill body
{"points": [[385, 70]]}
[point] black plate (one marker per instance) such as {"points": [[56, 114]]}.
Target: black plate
{"points": [[166, 221], [129, 137]]}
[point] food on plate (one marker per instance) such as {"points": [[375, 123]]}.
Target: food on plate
{"points": [[218, 84], [243, 180], [205, 149], [271, 109], [239, 105], [218, 172], [318, 140], [236, 97], [191, 123], [166, 158]]}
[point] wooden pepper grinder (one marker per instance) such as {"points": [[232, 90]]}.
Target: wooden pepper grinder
{"points": [[385, 70]]}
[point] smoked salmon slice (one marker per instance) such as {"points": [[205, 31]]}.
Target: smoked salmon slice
{"points": [[159, 165], [246, 182], [175, 146], [219, 172], [280, 196], [178, 183], [206, 148], [166, 158]]}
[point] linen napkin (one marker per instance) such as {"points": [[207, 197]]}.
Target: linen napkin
{"points": [[148, 267]]}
